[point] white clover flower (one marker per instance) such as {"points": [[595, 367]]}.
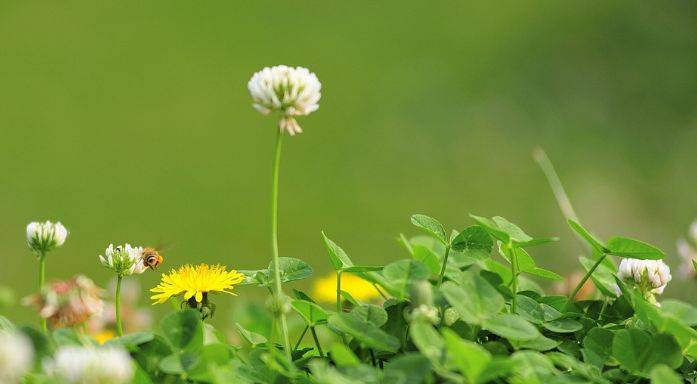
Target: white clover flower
{"points": [[43, 237], [287, 90], [16, 356], [650, 275], [124, 259], [87, 365]]}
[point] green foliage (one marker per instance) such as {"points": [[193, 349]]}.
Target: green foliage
{"points": [[291, 269], [463, 329], [430, 226], [635, 249]]}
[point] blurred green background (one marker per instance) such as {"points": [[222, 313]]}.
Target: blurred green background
{"points": [[129, 121]]}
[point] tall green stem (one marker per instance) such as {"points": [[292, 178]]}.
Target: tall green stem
{"points": [[274, 244], [586, 276], [338, 292], [117, 305], [42, 283], [445, 264], [314, 336], [514, 277]]}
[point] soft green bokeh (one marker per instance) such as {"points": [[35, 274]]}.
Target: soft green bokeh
{"points": [[130, 121]]}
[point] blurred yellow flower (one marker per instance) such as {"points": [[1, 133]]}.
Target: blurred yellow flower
{"points": [[195, 281], [325, 288], [103, 336]]}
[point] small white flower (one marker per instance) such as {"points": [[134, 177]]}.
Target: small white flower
{"points": [[651, 275], [124, 259], [43, 237], [86, 365], [16, 356], [287, 90]]}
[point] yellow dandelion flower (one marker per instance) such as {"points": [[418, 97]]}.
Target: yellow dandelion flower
{"points": [[103, 336], [325, 288], [195, 281]]}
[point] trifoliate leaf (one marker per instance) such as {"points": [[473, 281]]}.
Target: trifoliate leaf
{"points": [[635, 249], [431, 226]]}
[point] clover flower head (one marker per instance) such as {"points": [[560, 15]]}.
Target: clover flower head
{"points": [[687, 249], [196, 282], [124, 259], [290, 91], [16, 356], [651, 275], [67, 303], [44, 237], [88, 365]]}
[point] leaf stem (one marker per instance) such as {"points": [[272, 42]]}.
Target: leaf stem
{"points": [[445, 264], [300, 339], [602, 310], [42, 282], [274, 242], [117, 305], [380, 291], [338, 292], [314, 336], [586, 276], [514, 276]]}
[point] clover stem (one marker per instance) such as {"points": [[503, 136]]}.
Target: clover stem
{"points": [[338, 291], [42, 282], [514, 276], [445, 264], [380, 291], [280, 313], [586, 276], [602, 310], [300, 339], [314, 336], [117, 305]]}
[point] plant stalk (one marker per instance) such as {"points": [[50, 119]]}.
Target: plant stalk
{"points": [[586, 277], [314, 336], [602, 310], [42, 283], [117, 305], [445, 264], [514, 277], [338, 292], [274, 244]]}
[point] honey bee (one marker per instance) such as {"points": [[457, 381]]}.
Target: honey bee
{"points": [[152, 258]]}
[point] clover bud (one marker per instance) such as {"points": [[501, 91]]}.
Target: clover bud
{"points": [[46, 236], [421, 293], [450, 316], [277, 305], [424, 313], [422, 308]]}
